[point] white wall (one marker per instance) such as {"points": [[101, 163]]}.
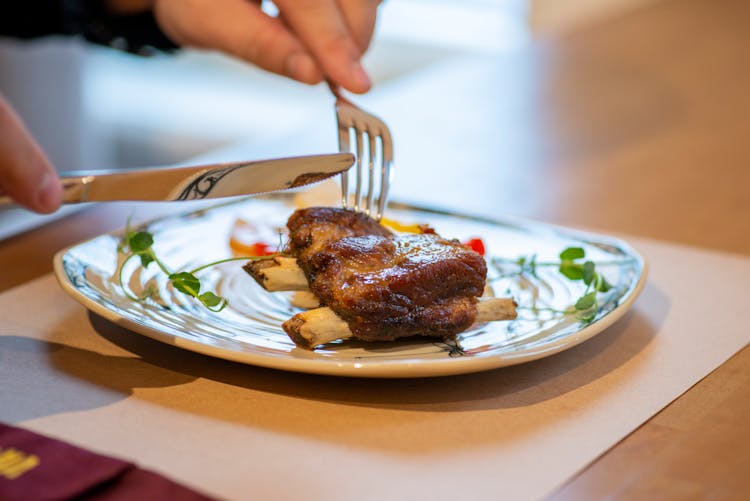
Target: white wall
{"points": [[43, 81]]}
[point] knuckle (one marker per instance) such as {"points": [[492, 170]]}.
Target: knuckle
{"points": [[260, 49]]}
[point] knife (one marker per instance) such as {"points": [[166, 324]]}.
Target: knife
{"points": [[199, 182]]}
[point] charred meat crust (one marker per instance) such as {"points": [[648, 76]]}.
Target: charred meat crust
{"points": [[293, 327], [386, 286], [315, 226]]}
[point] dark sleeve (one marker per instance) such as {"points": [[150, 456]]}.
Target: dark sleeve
{"points": [[87, 18]]}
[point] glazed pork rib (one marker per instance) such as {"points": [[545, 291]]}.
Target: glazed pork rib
{"points": [[376, 285]]}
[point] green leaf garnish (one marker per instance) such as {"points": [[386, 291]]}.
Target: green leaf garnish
{"points": [[571, 266], [595, 282], [572, 253], [186, 282], [588, 317], [589, 272], [140, 244], [571, 270], [212, 301], [146, 259], [585, 302]]}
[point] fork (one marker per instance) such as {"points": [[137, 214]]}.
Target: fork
{"points": [[366, 135]]}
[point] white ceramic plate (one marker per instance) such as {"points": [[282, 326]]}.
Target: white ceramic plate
{"points": [[249, 329]]}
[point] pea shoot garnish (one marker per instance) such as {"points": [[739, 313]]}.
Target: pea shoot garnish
{"points": [[573, 267], [139, 244]]}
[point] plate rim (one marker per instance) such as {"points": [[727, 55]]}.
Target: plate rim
{"points": [[412, 368]]}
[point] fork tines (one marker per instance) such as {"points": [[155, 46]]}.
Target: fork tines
{"points": [[369, 139]]}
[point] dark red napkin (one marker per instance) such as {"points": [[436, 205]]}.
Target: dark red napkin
{"points": [[34, 467]]}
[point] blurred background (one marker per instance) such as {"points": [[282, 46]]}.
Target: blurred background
{"points": [[93, 107]]}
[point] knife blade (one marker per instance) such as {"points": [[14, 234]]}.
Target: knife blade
{"points": [[203, 181]]}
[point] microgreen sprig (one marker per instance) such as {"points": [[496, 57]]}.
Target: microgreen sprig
{"points": [[572, 266], [139, 244]]}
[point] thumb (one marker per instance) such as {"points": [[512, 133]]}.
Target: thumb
{"points": [[25, 173]]}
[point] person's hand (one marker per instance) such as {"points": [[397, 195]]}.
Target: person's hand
{"points": [[309, 41], [25, 173]]}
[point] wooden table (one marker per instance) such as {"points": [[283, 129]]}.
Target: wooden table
{"points": [[636, 126]]}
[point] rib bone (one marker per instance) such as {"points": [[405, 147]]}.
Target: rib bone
{"points": [[319, 326], [277, 274]]}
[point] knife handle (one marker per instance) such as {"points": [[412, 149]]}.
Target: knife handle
{"points": [[75, 190]]}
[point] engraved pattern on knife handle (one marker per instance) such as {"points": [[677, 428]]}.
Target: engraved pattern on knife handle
{"points": [[200, 187], [76, 189]]}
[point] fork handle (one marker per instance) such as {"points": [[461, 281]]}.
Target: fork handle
{"points": [[338, 93], [335, 89]]}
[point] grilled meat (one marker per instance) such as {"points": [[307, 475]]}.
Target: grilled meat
{"points": [[386, 286]]}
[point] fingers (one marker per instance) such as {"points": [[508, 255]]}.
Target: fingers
{"points": [[309, 41], [360, 16], [239, 28], [336, 33], [25, 173]]}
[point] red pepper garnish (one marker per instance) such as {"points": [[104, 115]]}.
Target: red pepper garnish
{"points": [[242, 241], [260, 249], [253, 249], [476, 244]]}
